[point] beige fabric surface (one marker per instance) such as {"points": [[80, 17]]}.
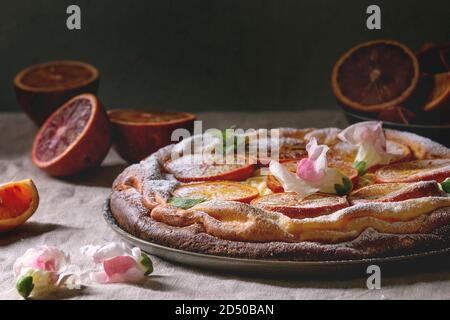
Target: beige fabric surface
{"points": [[70, 216]]}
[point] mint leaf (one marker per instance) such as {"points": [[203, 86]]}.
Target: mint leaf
{"points": [[185, 203], [340, 190], [230, 141], [361, 167], [345, 188], [347, 184], [146, 263], [446, 185], [24, 286]]}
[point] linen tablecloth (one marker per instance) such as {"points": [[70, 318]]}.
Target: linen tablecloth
{"points": [[70, 216]]}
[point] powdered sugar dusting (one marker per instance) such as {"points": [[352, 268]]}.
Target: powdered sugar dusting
{"points": [[149, 174], [401, 210], [423, 147]]}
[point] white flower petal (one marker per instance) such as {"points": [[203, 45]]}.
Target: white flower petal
{"points": [[44, 258], [136, 253], [289, 180], [370, 139], [328, 182], [110, 250]]}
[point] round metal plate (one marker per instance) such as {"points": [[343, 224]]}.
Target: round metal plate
{"points": [[252, 266]]}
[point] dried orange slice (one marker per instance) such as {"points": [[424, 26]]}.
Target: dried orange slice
{"points": [[290, 204], [18, 201], [389, 192], [396, 114], [439, 96], [275, 186], [76, 137], [434, 58], [221, 190], [192, 168], [418, 170], [375, 75]]}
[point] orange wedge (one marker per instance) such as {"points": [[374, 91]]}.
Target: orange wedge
{"points": [[18, 201]]}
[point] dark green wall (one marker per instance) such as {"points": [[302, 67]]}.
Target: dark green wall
{"points": [[207, 55]]}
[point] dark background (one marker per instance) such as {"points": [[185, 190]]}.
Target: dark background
{"points": [[207, 55]]}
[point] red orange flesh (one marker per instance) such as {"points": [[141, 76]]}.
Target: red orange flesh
{"points": [[76, 137], [18, 201]]}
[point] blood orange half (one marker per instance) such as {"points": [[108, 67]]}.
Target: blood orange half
{"points": [[18, 201], [138, 134], [74, 138], [42, 88]]}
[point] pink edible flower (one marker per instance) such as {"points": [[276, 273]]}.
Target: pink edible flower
{"points": [[119, 264], [43, 258], [312, 174], [42, 269], [314, 167], [371, 142]]}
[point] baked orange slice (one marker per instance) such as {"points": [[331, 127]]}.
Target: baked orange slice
{"points": [[366, 180], [375, 75], [389, 192], [399, 151], [194, 168], [289, 149], [273, 184], [343, 152], [18, 201], [220, 190], [418, 170], [290, 204]]}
